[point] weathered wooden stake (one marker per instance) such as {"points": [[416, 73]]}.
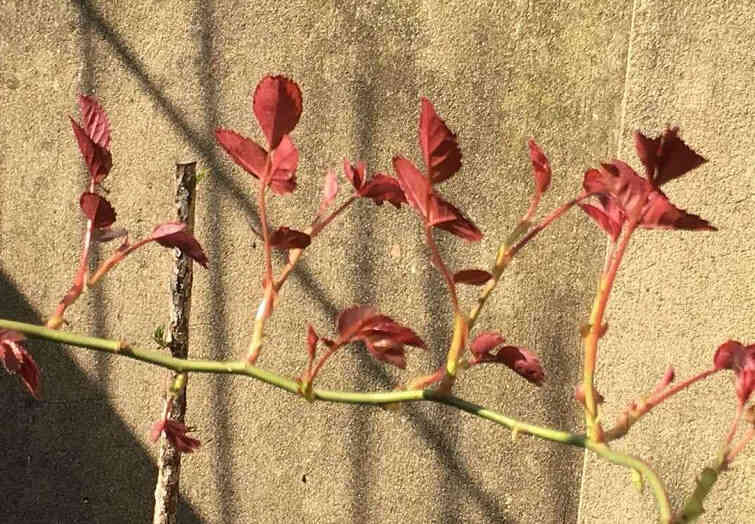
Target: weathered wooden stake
{"points": [[177, 338]]}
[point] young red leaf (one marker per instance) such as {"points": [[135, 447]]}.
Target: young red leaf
{"points": [[382, 188], [541, 168], [97, 158], [609, 221], [385, 339], [446, 216], [485, 342], [666, 157], [245, 152], [638, 199], [740, 359], [286, 238], [175, 433], [520, 360], [415, 186], [355, 174], [17, 360], [174, 234], [440, 151], [94, 121], [97, 209], [661, 214], [312, 339], [277, 104], [283, 162], [329, 192], [473, 277]]}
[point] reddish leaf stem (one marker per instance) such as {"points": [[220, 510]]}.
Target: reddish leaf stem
{"points": [[607, 278], [506, 254], [740, 446], [115, 259], [632, 415], [734, 425], [80, 278], [320, 225], [322, 360], [442, 268]]}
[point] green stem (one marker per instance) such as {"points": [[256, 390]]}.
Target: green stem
{"points": [[648, 475], [162, 359], [607, 279], [179, 365]]}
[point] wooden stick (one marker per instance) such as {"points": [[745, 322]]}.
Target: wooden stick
{"points": [[169, 459]]}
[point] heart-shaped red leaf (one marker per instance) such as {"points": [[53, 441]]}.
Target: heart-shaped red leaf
{"points": [[440, 151], [245, 152], [472, 277], [284, 160], [174, 234], [97, 209], [98, 160], [382, 188], [286, 238], [277, 104], [94, 121]]}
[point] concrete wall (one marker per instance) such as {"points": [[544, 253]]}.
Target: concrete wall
{"points": [[579, 76]]}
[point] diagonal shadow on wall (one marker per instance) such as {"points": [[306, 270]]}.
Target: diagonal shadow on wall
{"points": [[68, 460], [426, 428]]}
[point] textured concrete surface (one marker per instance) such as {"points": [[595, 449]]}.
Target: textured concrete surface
{"points": [[579, 76]]}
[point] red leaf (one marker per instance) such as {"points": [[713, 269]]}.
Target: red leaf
{"points": [[666, 157], [174, 234], [661, 214], [439, 148], [175, 433], [311, 341], [740, 359], [473, 277], [385, 339], [638, 199], [286, 238], [610, 224], [245, 152], [277, 104], [329, 192], [520, 360], [97, 158], [486, 342], [18, 361], [383, 188], [446, 216], [414, 184], [541, 168], [355, 174], [97, 209], [283, 162], [94, 121]]}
